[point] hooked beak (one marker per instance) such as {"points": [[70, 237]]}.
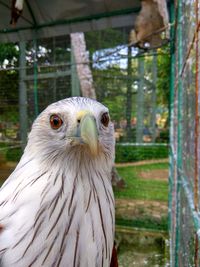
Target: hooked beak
{"points": [[87, 131]]}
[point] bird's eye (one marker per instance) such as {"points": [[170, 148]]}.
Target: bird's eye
{"points": [[55, 122], [105, 119]]}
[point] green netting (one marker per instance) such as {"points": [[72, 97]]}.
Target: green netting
{"points": [[184, 178]]}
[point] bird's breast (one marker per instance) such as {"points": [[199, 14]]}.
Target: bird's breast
{"points": [[70, 221]]}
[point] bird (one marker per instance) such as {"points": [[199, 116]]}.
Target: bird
{"points": [[57, 207], [150, 24], [16, 11]]}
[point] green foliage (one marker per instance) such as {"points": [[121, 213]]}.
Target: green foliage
{"points": [[136, 153], [9, 86], [52, 50], [112, 78], [10, 153], [163, 80], [115, 113], [13, 154], [9, 97], [9, 52], [110, 91], [145, 222], [3, 151], [163, 136]]}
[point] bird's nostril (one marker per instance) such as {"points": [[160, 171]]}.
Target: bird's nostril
{"points": [[78, 120]]}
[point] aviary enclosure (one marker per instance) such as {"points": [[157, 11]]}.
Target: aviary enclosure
{"points": [[153, 97]]}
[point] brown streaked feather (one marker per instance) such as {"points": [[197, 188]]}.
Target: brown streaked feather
{"points": [[1, 228]]}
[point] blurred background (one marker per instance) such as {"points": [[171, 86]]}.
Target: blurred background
{"points": [[135, 87], [133, 80]]}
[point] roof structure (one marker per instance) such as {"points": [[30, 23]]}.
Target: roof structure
{"points": [[44, 18]]}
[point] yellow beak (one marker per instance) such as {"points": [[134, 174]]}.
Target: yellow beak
{"points": [[88, 131]]}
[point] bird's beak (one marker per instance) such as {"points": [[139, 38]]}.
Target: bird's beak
{"points": [[87, 131]]}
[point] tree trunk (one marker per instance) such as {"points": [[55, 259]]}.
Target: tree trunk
{"points": [[140, 102], [75, 83], [82, 65], [86, 82]]}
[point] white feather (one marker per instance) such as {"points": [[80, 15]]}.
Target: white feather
{"points": [[19, 4]]}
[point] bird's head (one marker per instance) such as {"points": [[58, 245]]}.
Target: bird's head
{"points": [[71, 126]]}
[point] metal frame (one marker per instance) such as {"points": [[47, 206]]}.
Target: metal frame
{"points": [[35, 26]]}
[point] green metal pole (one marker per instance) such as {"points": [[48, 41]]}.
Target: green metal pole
{"points": [[179, 145], [171, 115], [35, 79], [196, 167], [129, 95], [140, 102], [23, 117], [154, 97]]}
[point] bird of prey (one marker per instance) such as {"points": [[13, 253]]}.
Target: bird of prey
{"points": [[57, 207], [16, 11]]}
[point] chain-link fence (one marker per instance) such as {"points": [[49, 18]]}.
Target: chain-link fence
{"points": [[184, 178]]}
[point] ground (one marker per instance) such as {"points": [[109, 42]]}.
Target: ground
{"points": [[6, 168], [144, 201], [142, 214]]}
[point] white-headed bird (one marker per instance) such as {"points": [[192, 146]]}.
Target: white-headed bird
{"points": [[57, 207]]}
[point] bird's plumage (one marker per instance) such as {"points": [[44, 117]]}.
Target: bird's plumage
{"points": [[57, 207]]}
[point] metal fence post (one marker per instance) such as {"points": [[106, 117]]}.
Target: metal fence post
{"points": [[171, 114], [179, 135], [35, 69], [23, 118]]}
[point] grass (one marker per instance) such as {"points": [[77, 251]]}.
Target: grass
{"points": [[143, 189]]}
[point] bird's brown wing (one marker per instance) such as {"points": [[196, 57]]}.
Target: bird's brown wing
{"points": [[114, 261]]}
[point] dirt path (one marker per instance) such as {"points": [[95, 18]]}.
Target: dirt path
{"points": [[154, 174], [143, 162], [6, 169]]}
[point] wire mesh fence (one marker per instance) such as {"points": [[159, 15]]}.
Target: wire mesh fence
{"points": [[185, 134], [134, 86], [39, 72]]}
